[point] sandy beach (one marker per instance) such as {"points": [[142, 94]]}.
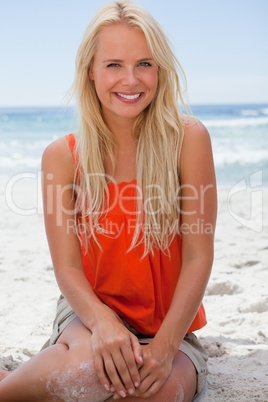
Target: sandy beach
{"points": [[236, 300]]}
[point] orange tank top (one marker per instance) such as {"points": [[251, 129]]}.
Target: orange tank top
{"points": [[140, 290]]}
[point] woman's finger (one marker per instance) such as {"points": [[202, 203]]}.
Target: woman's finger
{"points": [[100, 370], [129, 371], [125, 363], [151, 388], [137, 349], [112, 370]]}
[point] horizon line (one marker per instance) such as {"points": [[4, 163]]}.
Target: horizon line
{"points": [[190, 104]]}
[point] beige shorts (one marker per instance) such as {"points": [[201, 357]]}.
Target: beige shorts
{"points": [[190, 345]]}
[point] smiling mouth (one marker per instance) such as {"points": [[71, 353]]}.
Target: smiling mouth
{"points": [[136, 96]]}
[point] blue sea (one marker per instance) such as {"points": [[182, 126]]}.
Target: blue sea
{"points": [[239, 136]]}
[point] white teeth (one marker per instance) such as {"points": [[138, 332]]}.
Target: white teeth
{"points": [[128, 96]]}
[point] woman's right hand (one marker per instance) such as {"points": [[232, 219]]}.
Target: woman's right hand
{"points": [[117, 355]]}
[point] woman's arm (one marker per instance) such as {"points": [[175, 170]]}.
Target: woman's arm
{"points": [[115, 349], [198, 220], [58, 172], [198, 213]]}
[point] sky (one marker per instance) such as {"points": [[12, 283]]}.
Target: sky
{"points": [[221, 45]]}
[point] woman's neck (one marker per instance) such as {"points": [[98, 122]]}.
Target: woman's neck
{"points": [[122, 130]]}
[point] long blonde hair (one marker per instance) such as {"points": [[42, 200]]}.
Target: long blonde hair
{"points": [[158, 131]]}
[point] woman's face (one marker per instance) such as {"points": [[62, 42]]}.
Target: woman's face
{"points": [[125, 75]]}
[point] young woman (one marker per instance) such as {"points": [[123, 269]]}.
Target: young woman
{"points": [[130, 210]]}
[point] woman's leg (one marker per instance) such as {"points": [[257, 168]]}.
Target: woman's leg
{"points": [[62, 372], [180, 385], [3, 374]]}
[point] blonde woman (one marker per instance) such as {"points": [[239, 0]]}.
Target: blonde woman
{"points": [[130, 210]]}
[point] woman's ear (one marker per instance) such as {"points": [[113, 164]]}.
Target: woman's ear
{"points": [[91, 75]]}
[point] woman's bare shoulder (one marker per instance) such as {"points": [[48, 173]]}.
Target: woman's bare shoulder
{"points": [[196, 135], [57, 159], [193, 126], [196, 144]]}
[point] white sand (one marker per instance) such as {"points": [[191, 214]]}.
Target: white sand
{"points": [[236, 301]]}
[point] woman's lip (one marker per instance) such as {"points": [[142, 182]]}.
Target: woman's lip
{"points": [[127, 98], [136, 94], [128, 93]]}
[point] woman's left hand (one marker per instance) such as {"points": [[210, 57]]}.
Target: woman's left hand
{"points": [[156, 368]]}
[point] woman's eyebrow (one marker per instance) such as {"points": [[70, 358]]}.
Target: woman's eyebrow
{"points": [[145, 59], [121, 61], [112, 61]]}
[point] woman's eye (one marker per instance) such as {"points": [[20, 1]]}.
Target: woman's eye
{"points": [[113, 65], [145, 64]]}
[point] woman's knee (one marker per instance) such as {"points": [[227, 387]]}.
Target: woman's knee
{"points": [[183, 378], [181, 384], [78, 379]]}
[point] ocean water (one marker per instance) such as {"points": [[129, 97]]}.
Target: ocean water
{"points": [[239, 136]]}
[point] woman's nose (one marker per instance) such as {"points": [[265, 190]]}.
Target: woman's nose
{"points": [[130, 78]]}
